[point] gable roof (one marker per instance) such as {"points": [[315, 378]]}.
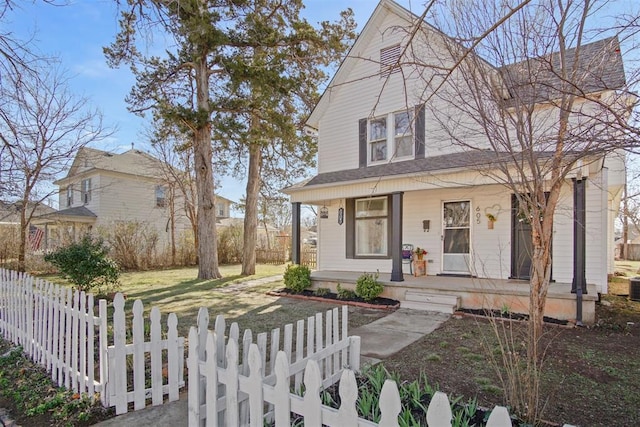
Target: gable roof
{"points": [[600, 64], [133, 162], [373, 23], [600, 67], [10, 212]]}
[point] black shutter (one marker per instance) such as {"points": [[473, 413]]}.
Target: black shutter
{"points": [[362, 139], [419, 132], [349, 220]]}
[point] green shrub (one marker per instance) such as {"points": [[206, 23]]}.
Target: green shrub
{"points": [[321, 292], [367, 287], [86, 264], [344, 293], [297, 278]]}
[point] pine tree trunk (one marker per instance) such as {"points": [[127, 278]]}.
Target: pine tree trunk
{"points": [[251, 211], [206, 236]]}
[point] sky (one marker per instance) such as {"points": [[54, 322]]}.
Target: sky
{"points": [[77, 32]]}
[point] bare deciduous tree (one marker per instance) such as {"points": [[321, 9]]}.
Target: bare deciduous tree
{"points": [[532, 100], [44, 126]]}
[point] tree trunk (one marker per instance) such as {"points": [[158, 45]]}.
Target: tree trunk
{"points": [[251, 211], [24, 230], [624, 253], [206, 236]]}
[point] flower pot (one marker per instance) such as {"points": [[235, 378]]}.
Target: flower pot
{"points": [[490, 225], [420, 257]]}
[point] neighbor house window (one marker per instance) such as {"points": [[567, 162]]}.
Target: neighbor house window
{"points": [[389, 57], [69, 195], [86, 190], [371, 227], [390, 137], [221, 210], [160, 196]]}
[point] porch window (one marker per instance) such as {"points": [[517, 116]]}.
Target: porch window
{"points": [[86, 190], [371, 227], [390, 137], [160, 196], [69, 195]]}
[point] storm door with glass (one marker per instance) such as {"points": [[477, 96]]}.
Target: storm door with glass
{"points": [[455, 253]]}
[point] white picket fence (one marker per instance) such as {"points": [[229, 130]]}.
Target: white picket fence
{"points": [[216, 366], [232, 382], [55, 326], [165, 359], [254, 389]]}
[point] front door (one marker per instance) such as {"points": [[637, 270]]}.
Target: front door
{"points": [[522, 246], [456, 235]]}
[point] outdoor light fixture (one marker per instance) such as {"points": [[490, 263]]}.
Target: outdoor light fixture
{"points": [[426, 224], [324, 212], [340, 215]]}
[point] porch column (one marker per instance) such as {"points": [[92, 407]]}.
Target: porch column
{"points": [[295, 233], [579, 284], [396, 237]]}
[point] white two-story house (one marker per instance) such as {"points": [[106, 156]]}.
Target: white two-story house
{"points": [[388, 175]]}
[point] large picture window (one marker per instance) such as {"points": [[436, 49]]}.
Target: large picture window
{"points": [[390, 137], [371, 227]]}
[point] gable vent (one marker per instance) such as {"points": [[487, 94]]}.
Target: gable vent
{"points": [[389, 57]]}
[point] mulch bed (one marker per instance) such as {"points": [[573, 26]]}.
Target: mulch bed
{"points": [[379, 303], [498, 314]]}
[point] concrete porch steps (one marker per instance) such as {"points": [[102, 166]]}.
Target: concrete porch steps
{"points": [[426, 301]]}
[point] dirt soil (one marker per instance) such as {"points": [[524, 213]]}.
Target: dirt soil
{"points": [[591, 375]]}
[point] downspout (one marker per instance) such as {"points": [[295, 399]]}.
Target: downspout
{"points": [[579, 285]]}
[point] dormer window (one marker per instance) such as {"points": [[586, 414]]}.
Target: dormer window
{"points": [[390, 137], [389, 60]]}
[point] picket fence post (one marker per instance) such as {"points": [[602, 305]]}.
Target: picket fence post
{"points": [[195, 380]]}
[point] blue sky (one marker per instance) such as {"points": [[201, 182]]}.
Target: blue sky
{"points": [[77, 32]]}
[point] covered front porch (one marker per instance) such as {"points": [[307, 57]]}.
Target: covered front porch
{"points": [[472, 293], [65, 226]]}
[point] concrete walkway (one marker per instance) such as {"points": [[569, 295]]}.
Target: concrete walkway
{"points": [[379, 340]]}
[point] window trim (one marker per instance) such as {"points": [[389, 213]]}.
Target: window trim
{"points": [[391, 137], [351, 226]]}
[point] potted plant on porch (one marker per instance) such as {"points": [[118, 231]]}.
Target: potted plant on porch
{"points": [[420, 253]]}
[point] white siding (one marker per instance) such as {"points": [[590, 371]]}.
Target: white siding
{"points": [[365, 95], [128, 198], [490, 248]]}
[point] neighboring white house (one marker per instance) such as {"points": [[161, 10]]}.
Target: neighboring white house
{"points": [[428, 191], [103, 188]]}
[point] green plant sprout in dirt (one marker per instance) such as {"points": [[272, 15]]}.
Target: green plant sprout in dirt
{"points": [[32, 399], [415, 397]]}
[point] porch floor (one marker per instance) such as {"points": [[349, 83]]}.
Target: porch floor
{"points": [[474, 293]]}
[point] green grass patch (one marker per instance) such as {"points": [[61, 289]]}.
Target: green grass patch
{"points": [[434, 357]]}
